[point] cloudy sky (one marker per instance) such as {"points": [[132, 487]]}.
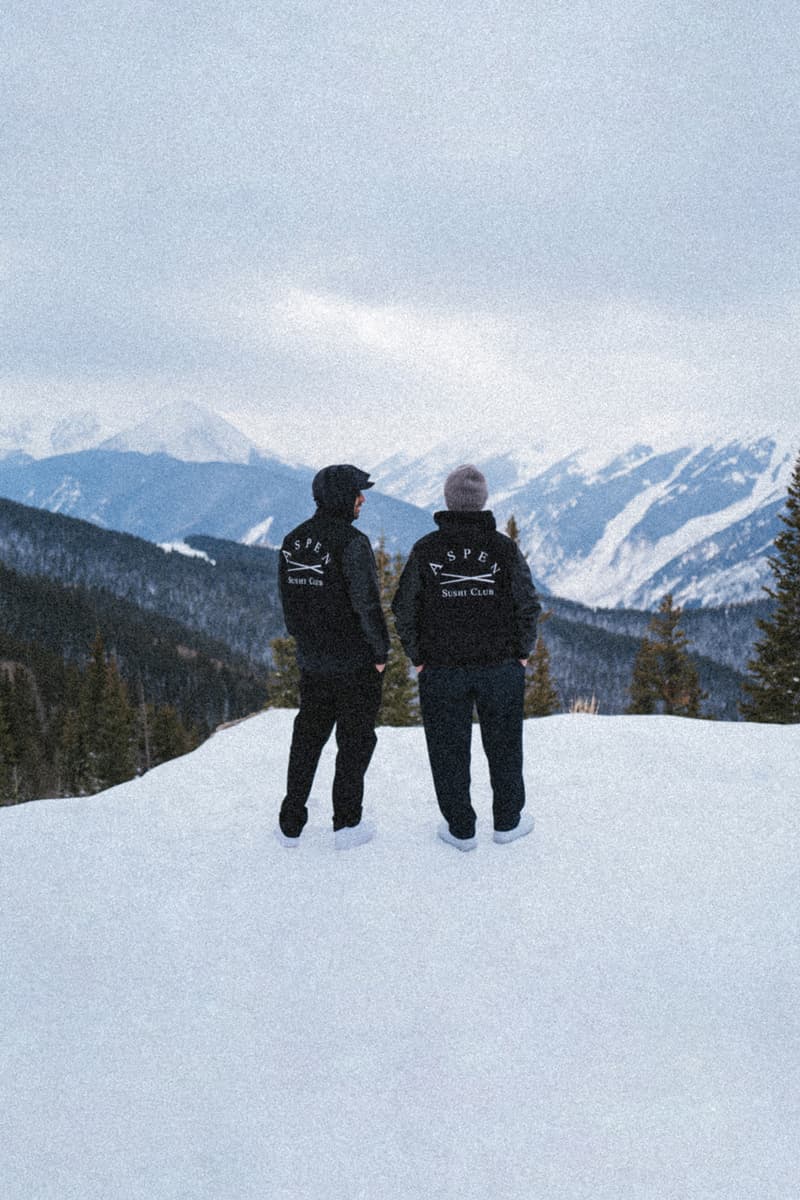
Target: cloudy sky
{"points": [[359, 228]]}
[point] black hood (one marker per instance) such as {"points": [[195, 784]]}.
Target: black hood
{"points": [[335, 489]]}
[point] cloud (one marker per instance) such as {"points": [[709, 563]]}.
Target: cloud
{"points": [[563, 370]]}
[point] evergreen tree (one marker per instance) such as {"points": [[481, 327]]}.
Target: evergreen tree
{"points": [[115, 747], [664, 678], [541, 694], [512, 529], [90, 708], [170, 737], [105, 736], [773, 689], [25, 715], [8, 758], [399, 704], [283, 685], [644, 688], [71, 756]]}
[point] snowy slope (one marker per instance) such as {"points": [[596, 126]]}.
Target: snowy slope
{"points": [[604, 1011]]}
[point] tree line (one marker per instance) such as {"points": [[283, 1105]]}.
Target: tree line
{"points": [[93, 736]]}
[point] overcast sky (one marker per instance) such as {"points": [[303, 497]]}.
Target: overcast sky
{"points": [[360, 227]]}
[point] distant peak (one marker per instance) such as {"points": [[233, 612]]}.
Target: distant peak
{"points": [[185, 430]]}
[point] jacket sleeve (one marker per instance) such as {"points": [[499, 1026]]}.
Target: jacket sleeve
{"points": [[361, 581], [283, 592], [526, 605], [406, 607]]}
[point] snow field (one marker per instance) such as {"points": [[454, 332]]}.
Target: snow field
{"points": [[606, 1009]]}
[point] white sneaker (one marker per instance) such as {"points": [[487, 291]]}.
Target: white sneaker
{"points": [[281, 837], [354, 835], [510, 835], [459, 843]]}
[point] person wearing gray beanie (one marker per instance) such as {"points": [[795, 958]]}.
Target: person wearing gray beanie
{"points": [[465, 490], [466, 612]]}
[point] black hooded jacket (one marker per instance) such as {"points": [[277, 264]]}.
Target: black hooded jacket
{"points": [[329, 581], [466, 597]]}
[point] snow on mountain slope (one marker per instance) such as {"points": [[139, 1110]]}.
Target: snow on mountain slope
{"points": [[607, 527], [35, 433], [606, 1009], [187, 431]]}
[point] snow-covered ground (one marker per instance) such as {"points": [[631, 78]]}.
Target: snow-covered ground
{"points": [[605, 1010]]}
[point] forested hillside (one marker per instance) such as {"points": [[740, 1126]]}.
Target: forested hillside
{"points": [[592, 659], [725, 635], [94, 690], [230, 595], [158, 657]]}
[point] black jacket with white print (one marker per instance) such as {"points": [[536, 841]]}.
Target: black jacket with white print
{"points": [[329, 582], [466, 597]]}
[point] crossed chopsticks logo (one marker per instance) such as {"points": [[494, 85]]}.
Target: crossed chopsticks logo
{"points": [[449, 578], [292, 566]]}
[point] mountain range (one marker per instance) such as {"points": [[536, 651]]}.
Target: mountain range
{"points": [[603, 526], [164, 499], [623, 529]]}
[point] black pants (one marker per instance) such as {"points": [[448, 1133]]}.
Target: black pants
{"points": [[350, 702], [447, 696]]}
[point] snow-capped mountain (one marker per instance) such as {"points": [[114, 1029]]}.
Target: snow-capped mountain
{"points": [[625, 528], [183, 429], [600, 525], [187, 431], [35, 435], [606, 1010]]}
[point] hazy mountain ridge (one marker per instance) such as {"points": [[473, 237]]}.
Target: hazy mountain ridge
{"points": [[164, 499]]}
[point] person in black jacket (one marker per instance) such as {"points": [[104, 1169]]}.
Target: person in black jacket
{"points": [[331, 604], [466, 612]]}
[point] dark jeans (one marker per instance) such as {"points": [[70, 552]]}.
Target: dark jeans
{"points": [[447, 696], [350, 702]]}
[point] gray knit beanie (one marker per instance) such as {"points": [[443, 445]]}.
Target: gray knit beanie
{"points": [[465, 490]]}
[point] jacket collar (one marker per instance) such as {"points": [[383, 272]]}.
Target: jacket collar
{"points": [[461, 522]]}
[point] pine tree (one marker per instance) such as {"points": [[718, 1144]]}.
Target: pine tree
{"points": [[115, 747], [283, 685], [541, 694], [90, 709], [773, 689], [664, 678], [399, 702], [101, 753], [170, 737], [8, 757], [644, 689], [25, 716], [512, 529], [71, 755]]}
